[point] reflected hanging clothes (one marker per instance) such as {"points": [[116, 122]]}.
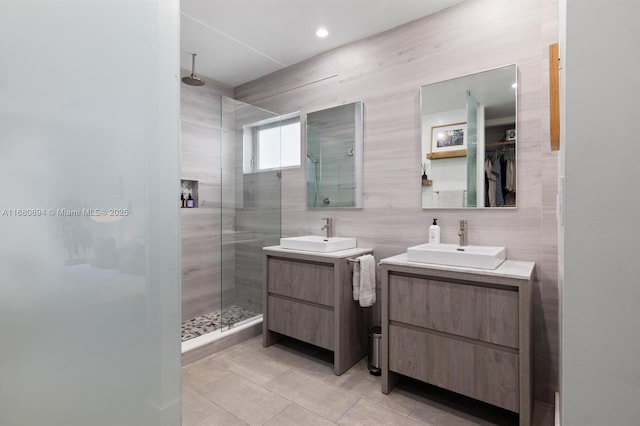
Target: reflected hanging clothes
{"points": [[491, 183], [511, 175], [503, 177], [496, 171]]}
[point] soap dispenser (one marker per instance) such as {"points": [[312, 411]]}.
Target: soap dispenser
{"points": [[190, 201], [434, 232]]}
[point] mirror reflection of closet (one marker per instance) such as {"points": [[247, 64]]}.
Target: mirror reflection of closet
{"points": [[500, 163], [476, 169]]}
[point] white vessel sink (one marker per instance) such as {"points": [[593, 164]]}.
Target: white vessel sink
{"points": [[318, 243], [481, 257]]}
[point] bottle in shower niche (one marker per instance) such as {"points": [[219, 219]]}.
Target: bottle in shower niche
{"points": [[190, 202], [182, 200], [434, 232]]}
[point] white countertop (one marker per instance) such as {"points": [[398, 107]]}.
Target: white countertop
{"points": [[508, 269], [358, 251]]}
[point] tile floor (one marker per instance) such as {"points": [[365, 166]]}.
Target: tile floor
{"points": [[291, 383]]}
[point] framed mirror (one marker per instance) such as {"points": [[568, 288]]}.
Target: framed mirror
{"points": [[334, 157], [469, 140]]}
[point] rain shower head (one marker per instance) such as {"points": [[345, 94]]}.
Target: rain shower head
{"points": [[193, 79]]}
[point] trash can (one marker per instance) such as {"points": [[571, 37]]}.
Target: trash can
{"points": [[375, 342]]}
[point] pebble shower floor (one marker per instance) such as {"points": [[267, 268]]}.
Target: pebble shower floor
{"points": [[210, 322]]}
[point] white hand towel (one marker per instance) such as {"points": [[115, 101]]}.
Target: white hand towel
{"points": [[367, 296], [356, 281]]}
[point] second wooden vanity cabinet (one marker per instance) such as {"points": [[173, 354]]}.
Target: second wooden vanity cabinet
{"points": [[465, 330], [308, 296]]}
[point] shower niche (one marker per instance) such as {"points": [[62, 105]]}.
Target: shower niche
{"points": [[188, 193]]}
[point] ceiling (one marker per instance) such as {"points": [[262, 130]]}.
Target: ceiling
{"points": [[237, 41], [493, 89]]}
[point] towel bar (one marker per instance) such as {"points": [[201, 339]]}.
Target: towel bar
{"points": [[354, 260]]}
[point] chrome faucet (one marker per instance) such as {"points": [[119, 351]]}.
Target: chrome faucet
{"points": [[462, 233], [328, 226]]}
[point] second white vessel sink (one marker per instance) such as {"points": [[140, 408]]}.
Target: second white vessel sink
{"points": [[318, 243], [481, 257]]}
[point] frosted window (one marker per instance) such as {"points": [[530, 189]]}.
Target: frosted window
{"points": [[272, 145], [269, 148], [290, 145]]}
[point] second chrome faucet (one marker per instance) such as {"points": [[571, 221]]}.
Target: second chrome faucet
{"points": [[462, 233], [328, 226]]}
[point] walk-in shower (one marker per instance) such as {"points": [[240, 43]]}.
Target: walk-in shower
{"points": [[249, 219]]}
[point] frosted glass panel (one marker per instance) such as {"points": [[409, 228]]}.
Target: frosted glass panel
{"points": [[89, 172]]}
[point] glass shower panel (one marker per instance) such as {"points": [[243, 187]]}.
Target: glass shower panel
{"points": [[250, 209], [90, 252], [472, 151]]}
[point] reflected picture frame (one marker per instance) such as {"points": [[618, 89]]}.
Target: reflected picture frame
{"points": [[448, 141]]}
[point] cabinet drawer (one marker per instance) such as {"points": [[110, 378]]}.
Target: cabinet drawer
{"points": [[481, 313], [307, 281], [311, 324], [480, 372]]}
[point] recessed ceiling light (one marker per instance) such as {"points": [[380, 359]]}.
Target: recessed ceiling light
{"points": [[322, 32]]}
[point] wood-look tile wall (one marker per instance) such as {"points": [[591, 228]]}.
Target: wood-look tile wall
{"points": [[386, 72], [201, 241]]}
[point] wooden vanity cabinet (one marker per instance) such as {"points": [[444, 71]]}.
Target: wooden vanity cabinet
{"points": [[309, 296], [458, 329]]}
